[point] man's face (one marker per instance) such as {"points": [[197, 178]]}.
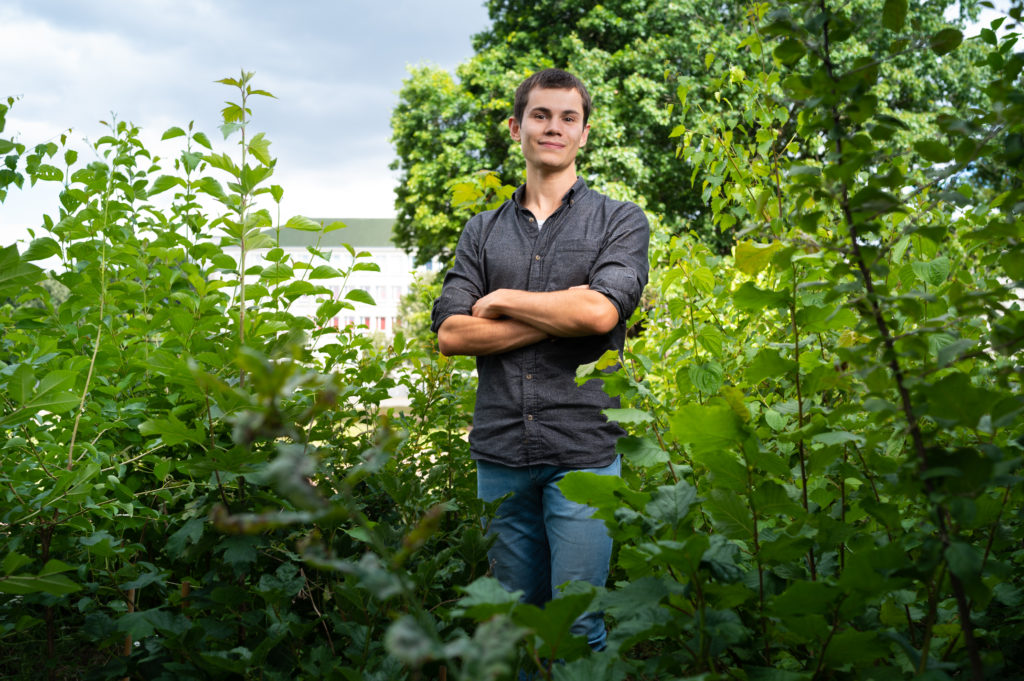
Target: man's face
{"points": [[552, 130]]}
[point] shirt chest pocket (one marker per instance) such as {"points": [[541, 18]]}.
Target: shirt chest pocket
{"points": [[570, 262]]}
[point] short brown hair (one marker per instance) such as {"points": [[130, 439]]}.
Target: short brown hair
{"points": [[555, 79]]}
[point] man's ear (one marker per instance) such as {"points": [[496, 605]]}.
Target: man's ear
{"points": [[585, 136], [513, 128]]}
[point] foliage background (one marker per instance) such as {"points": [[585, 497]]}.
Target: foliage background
{"points": [[822, 474]]}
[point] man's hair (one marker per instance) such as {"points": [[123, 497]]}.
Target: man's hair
{"points": [[556, 79]]}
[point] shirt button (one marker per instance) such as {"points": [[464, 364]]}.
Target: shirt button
{"points": [[537, 257], [530, 219], [529, 376], [529, 417]]}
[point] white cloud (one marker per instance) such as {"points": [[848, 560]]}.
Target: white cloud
{"points": [[335, 68]]}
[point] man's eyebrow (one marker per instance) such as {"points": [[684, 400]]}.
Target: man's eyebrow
{"points": [[544, 109]]}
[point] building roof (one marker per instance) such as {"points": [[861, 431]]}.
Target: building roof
{"points": [[357, 232]]}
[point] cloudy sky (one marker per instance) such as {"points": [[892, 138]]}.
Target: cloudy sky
{"points": [[335, 67]]}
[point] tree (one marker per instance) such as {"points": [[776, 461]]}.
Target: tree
{"points": [[634, 56]]}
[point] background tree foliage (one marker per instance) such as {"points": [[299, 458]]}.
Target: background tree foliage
{"points": [[633, 55]]}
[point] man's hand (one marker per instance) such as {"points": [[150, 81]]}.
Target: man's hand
{"points": [[488, 306]]}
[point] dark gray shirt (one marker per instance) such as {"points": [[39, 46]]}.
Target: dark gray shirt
{"points": [[529, 409]]}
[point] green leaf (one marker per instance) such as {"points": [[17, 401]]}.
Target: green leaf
{"points": [[703, 279], [855, 647], [934, 272], [202, 140], [41, 248], [730, 515], [894, 14], [552, 623], [325, 272], [713, 427], [360, 296], [671, 504], [726, 470], [303, 224], [873, 200], [838, 437], [16, 274], [767, 363], [934, 151], [790, 51], [12, 561], [964, 561], [641, 451], [628, 416], [752, 257], [707, 377], [163, 183], [603, 492], [945, 41], [57, 585], [259, 147], [711, 339], [189, 533], [749, 297], [171, 133], [172, 431], [486, 597]]}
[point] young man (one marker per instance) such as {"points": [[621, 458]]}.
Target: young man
{"points": [[539, 286]]}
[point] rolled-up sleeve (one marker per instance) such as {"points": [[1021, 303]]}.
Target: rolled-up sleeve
{"points": [[464, 283], [620, 271]]}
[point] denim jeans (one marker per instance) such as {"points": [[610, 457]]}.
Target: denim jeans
{"points": [[543, 539]]}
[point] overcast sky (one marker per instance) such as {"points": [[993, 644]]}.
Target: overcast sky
{"points": [[335, 67]]}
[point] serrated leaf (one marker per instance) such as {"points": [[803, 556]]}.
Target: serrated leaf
{"points": [[752, 257], [641, 451], [486, 597], [171, 431], [713, 427], [202, 139], [259, 147], [707, 377], [730, 515], [934, 272], [671, 503]]}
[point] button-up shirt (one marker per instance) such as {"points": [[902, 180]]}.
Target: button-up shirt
{"points": [[529, 409]]}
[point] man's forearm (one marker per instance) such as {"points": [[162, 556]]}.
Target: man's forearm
{"points": [[577, 311], [466, 335]]}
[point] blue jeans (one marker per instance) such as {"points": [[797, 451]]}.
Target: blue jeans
{"points": [[545, 540]]}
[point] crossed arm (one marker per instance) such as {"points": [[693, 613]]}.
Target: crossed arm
{"points": [[507, 319]]}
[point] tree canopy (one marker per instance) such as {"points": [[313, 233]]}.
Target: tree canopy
{"points": [[633, 55]]}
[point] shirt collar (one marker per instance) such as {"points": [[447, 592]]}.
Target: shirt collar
{"points": [[577, 190]]}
